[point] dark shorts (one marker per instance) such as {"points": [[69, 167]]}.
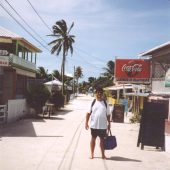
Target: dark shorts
{"points": [[98, 132]]}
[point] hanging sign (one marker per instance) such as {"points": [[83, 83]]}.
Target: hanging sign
{"points": [[3, 53], [167, 78], [136, 70], [4, 62]]}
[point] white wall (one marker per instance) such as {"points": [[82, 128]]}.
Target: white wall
{"points": [[16, 109], [158, 86]]}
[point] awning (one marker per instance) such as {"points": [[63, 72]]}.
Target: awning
{"points": [[54, 82]]}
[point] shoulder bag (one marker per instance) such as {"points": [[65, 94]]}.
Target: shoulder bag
{"points": [[110, 141]]}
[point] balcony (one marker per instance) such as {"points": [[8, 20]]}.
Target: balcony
{"points": [[18, 62]]}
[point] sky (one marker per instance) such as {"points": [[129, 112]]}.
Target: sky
{"points": [[103, 29]]}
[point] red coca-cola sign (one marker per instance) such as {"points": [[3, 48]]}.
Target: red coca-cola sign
{"points": [[127, 69]]}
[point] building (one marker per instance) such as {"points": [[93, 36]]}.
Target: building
{"points": [[17, 66], [160, 57], [160, 80]]}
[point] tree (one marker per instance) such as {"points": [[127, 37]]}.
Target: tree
{"points": [[42, 73], [109, 70], [63, 41], [56, 74], [37, 95], [103, 82], [78, 74]]}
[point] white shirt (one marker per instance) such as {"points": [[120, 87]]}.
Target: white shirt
{"points": [[98, 118]]}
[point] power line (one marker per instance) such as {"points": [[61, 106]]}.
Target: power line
{"points": [[81, 59], [90, 55], [23, 27], [90, 63], [51, 31], [25, 21], [39, 15]]}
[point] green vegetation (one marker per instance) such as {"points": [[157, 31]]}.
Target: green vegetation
{"points": [[135, 118], [37, 95]]}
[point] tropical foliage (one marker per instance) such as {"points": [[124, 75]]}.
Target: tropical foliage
{"points": [[109, 70], [78, 74], [57, 99], [63, 42], [37, 95], [42, 73], [56, 74]]}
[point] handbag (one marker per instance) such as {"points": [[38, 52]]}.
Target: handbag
{"points": [[110, 141]]}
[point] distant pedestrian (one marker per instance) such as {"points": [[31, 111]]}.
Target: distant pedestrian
{"points": [[99, 115]]}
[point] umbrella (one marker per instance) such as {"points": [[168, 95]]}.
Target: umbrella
{"points": [[54, 82]]}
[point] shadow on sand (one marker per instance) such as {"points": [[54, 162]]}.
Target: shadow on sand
{"points": [[62, 112], [118, 158], [25, 128]]}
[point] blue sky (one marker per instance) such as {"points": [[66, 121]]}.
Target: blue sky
{"points": [[104, 29]]}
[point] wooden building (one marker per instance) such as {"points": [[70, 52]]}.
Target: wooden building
{"points": [[17, 65]]}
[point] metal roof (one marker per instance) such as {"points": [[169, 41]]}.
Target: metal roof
{"points": [[155, 49], [4, 33], [118, 87]]}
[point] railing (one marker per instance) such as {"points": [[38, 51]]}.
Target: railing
{"points": [[19, 62], [158, 86], [158, 79], [22, 62], [3, 114]]}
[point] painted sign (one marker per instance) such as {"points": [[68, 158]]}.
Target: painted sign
{"points": [[132, 70], [167, 78], [4, 52], [4, 62]]}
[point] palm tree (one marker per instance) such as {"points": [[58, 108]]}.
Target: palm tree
{"points": [[56, 74], [78, 74], [62, 42], [109, 70], [42, 73]]}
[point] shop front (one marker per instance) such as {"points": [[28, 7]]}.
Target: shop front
{"points": [[160, 81]]}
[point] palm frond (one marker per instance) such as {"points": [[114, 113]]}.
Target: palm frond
{"points": [[59, 49], [63, 26], [56, 48], [54, 35], [70, 27], [55, 41], [71, 49], [57, 30]]}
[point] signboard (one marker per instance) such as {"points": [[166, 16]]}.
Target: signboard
{"points": [[118, 113], [167, 78], [3, 53], [152, 125], [136, 70], [4, 62]]}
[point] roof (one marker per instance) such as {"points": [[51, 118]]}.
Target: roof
{"points": [[118, 87], [155, 49], [54, 82], [137, 94], [4, 33]]}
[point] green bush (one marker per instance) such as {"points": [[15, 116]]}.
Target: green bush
{"points": [[135, 118], [37, 95], [57, 99]]}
